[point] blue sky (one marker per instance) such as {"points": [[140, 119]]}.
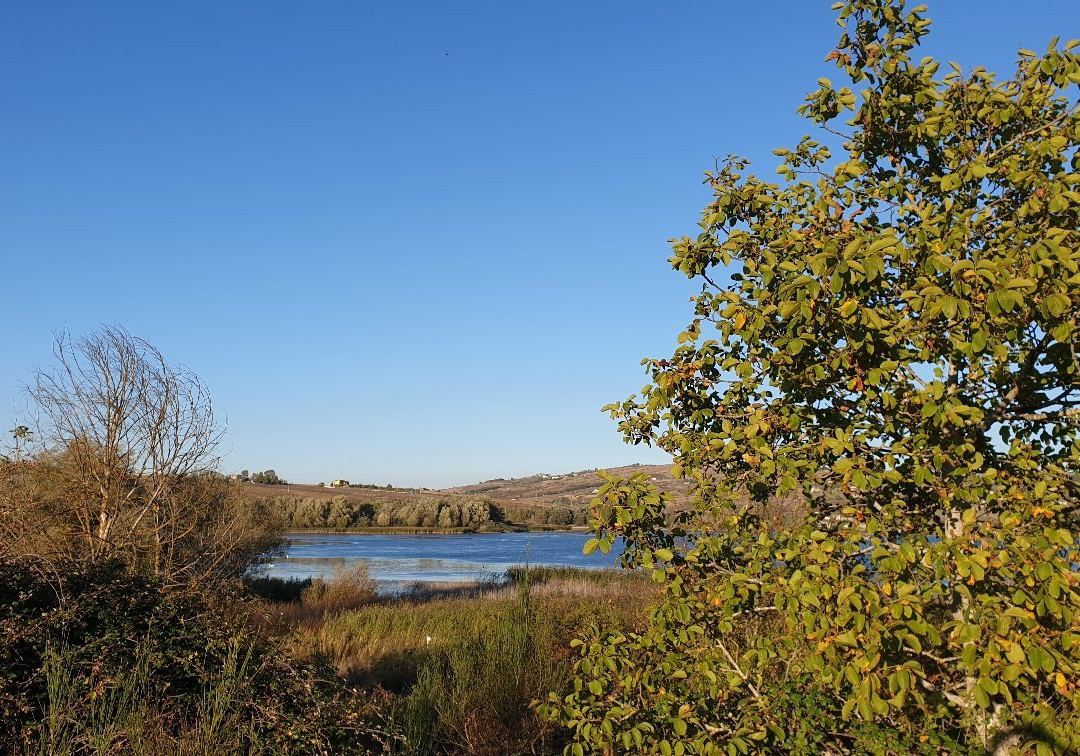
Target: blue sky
{"points": [[419, 243]]}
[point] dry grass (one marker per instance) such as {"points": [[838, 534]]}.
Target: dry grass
{"points": [[350, 587]]}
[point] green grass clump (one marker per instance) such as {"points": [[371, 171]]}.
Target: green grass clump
{"points": [[474, 695]]}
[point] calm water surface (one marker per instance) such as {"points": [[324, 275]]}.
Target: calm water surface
{"points": [[397, 561]]}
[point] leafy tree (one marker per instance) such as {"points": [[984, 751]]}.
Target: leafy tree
{"points": [[560, 516], [886, 334], [268, 478]]}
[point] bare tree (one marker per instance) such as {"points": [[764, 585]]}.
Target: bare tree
{"points": [[129, 431]]}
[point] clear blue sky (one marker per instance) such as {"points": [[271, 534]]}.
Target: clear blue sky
{"points": [[419, 243]]}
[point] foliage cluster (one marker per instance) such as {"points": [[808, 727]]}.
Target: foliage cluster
{"points": [[895, 344], [347, 588], [560, 512], [268, 478]]}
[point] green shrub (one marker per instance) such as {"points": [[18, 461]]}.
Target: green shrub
{"points": [[276, 589]]}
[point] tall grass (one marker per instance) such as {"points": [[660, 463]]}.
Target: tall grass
{"points": [[386, 642], [125, 715], [465, 670], [219, 725], [350, 587], [114, 716], [310, 601], [474, 695]]}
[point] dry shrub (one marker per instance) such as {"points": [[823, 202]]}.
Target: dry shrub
{"points": [[350, 587]]}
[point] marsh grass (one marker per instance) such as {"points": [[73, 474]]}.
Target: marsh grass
{"points": [[384, 643], [350, 587], [465, 663], [309, 601], [474, 694], [115, 715]]}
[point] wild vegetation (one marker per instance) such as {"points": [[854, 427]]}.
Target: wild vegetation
{"points": [[890, 336], [876, 404], [267, 478], [129, 621], [460, 668], [122, 624]]}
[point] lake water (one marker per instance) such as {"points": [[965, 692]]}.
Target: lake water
{"points": [[397, 561]]}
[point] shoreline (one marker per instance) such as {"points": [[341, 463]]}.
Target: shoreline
{"points": [[431, 531]]}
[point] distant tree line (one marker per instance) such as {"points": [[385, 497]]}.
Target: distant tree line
{"points": [[387, 487], [565, 516], [268, 478], [338, 513], [562, 512]]}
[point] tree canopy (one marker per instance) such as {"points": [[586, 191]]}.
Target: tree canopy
{"points": [[886, 339]]}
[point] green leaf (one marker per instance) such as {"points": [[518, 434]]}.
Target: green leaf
{"points": [[978, 341], [950, 182]]}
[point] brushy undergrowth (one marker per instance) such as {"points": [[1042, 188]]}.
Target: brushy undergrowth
{"points": [[99, 661]]}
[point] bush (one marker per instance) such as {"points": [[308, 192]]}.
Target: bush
{"points": [[98, 660], [275, 589], [350, 587]]}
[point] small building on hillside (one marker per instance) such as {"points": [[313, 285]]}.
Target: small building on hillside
{"points": [[339, 484]]}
